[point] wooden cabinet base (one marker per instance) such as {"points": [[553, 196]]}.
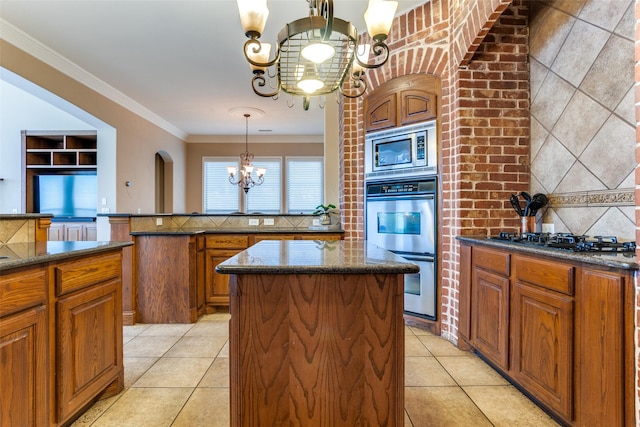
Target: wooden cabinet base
{"points": [[319, 349]]}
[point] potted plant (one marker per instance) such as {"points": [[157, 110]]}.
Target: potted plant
{"points": [[324, 211]]}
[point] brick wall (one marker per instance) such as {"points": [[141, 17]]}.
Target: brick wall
{"points": [[484, 137]]}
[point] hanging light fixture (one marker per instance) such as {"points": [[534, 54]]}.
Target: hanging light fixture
{"points": [[245, 177], [315, 54]]}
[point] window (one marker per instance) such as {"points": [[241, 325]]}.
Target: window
{"points": [[305, 184], [219, 196], [267, 197], [300, 186]]}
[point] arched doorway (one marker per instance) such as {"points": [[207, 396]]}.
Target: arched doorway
{"points": [[163, 183]]}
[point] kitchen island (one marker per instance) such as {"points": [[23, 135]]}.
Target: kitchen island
{"points": [[60, 329], [316, 334]]}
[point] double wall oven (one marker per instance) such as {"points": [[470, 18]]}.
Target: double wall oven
{"points": [[401, 208], [401, 217]]}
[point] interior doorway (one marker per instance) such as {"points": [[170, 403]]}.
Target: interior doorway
{"points": [[164, 183]]}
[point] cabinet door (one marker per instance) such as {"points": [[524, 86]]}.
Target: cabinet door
{"points": [[542, 337], [56, 232], [417, 106], [90, 232], [73, 232], [89, 345], [381, 111], [602, 344], [217, 285], [490, 316], [23, 369]]}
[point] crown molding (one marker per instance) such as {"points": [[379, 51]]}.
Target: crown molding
{"points": [[43, 53]]}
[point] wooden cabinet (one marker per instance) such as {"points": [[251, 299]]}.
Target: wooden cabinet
{"points": [[402, 101], [220, 247], [560, 330], [60, 338], [168, 277], [24, 349]]}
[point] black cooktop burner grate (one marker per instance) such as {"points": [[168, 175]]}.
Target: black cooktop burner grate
{"points": [[568, 241]]}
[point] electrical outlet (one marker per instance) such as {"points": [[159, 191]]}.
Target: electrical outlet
{"points": [[316, 222], [268, 221], [548, 228], [158, 221], [254, 221]]}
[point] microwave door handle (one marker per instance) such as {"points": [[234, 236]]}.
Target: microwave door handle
{"points": [[426, 258]]}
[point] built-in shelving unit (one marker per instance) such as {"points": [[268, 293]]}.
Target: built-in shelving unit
{"points": [[60, 150]]}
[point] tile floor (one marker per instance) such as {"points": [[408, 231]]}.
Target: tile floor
{"points": [[178, 375]]}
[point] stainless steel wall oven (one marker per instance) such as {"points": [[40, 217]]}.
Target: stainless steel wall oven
{"points": [[401, 217]]}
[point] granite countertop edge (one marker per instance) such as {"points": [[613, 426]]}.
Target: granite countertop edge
{"points": [[189, 232], [596, 258], [328, 269], [61, 252]]}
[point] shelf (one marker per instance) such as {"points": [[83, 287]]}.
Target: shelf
{"points": [[75, 142], [39, 158]]}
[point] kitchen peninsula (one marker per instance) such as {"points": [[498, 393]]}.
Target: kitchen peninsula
{"points": [[169, 273], [60, 325], [316, 334]]}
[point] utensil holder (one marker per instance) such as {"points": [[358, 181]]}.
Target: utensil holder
{"points": [[527, 224]]}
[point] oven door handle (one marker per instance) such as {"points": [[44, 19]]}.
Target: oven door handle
{"points": [[419, 258]]}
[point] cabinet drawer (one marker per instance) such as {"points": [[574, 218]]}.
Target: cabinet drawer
{"points": [[547, 274], [22, 290], [73, 275], [491, 260], [228, 242]]}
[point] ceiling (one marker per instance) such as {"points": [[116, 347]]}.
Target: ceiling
{"points": [[179, 63]]}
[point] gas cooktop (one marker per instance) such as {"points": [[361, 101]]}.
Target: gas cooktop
{"points": [[569, 241]]}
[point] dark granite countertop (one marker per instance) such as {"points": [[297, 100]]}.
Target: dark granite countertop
{"points": [[254, 230], [606, 259], [309, 257], [25, 216], [25, 254]]}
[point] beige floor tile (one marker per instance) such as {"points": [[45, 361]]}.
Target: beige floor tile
{"points": [[149, 346], [441, 347], [127, 338], [225, 350], [95, 411], [425, 372], [217, 375], [135, 367], [175, 372], [148, 407], [206, 407], [215, 317], [167, 330], [414, 347], [407, 420], [210, 329], [470, 370], [505, 406], [133, 330], [419, 332], [442, 407], [197, 346]]}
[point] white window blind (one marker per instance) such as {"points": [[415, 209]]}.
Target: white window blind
{"points": [[305, 184], [267, 197], [219, 195]]}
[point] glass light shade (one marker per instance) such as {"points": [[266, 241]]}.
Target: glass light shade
{"points": [[262, 56], [379, 17], [248, 169], [318, 52], [362, 53], [232, 170], [310, 81], [253, 15], [261, 172]]}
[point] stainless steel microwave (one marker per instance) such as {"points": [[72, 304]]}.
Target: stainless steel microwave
{"points": [[402, 151]]}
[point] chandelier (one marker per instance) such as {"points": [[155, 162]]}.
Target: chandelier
{"points": [[245, 177], [315, 54]]}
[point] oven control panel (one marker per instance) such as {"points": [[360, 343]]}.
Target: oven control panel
{"points": [[399, 188]]}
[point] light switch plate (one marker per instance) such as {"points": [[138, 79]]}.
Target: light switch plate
{"points": [[548, 228], [158, 221], [254, 221], [268, 221], [316, 222]]}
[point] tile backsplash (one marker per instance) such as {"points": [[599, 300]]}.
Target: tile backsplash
{"points": [[582, 114]]}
